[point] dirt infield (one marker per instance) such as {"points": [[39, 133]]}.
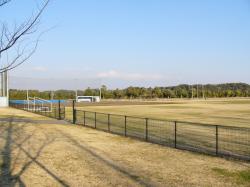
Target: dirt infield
{"points": [[34, 151]]}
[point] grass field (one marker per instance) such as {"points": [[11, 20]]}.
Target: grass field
{"points": [[194, 137], [39, 151], [232, 112]]}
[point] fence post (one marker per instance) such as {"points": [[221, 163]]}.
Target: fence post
{"points": [[125, 126], [84, 116], [146, 129], [95, 120], [109, 122], [59, 109], [217, 138], [74, 112], [175, 134]]}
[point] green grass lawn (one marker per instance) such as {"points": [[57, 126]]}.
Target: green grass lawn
{"points": [[241, 177]]}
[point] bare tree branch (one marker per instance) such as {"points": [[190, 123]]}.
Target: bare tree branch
{"points": [[3, 2], [11, 42]]}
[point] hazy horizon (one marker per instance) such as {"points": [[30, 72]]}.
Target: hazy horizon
{"points": [[44, 84]]}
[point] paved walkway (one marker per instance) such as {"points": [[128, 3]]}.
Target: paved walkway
{"points": [[38, 151]]}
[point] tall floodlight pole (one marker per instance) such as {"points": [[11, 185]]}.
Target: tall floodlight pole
{"points": [[7, 87], [5, 83], [100, 90], [197, 91], [192, 92], [100, 93], [52, 95], [4, 89], [75, 87], [2, 85], [203, 92], [28, 102]]}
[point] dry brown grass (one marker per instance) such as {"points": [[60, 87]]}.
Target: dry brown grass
{"points": [[233, 112], [7, 112], [68, 155]]}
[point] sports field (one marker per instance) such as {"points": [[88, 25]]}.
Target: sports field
{"points": [[40, 151], [233, 112], [224, 140]]}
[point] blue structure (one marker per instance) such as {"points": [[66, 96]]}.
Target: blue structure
{"points": [[25, 101]]}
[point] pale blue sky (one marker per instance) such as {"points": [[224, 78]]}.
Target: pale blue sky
{"points": [[139, 42]]}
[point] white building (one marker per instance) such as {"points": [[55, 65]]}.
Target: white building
{"points": [[88, 99], [4, 89]]}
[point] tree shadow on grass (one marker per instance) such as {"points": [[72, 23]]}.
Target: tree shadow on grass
{"points": [[115, 166], [12, 135]]}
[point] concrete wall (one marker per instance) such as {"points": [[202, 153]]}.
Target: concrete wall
{"points": [[4, 102]]}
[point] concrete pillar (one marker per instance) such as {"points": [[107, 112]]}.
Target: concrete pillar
{"points": [[4, 89], [7, 84], [1, 84]]}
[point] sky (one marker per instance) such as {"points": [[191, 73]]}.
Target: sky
{"points": [[123, 43]]}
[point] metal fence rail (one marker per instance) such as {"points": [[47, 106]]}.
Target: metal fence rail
{"points": [[57, 112], [209, 139], [226, 141]]}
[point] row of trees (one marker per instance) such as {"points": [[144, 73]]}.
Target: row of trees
{"points": [[180, 91]]}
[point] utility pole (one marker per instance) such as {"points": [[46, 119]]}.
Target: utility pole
{"points": [[4, 87], [197, 91], [100, 93], [28, 102], [76, 94], [7, 86], [1, 85], [52, 95], [203, 92], [192, 92]]}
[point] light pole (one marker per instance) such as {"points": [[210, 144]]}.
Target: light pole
{"points": [[100, 93], [28, 102], [192, 92], [203, 92], [197, 91]]}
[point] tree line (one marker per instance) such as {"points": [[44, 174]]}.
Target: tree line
{"points": [[180, 91]]}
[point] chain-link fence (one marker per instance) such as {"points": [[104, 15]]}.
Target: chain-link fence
{"points": [[215, 140], [55, 111], [210, 139]]}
